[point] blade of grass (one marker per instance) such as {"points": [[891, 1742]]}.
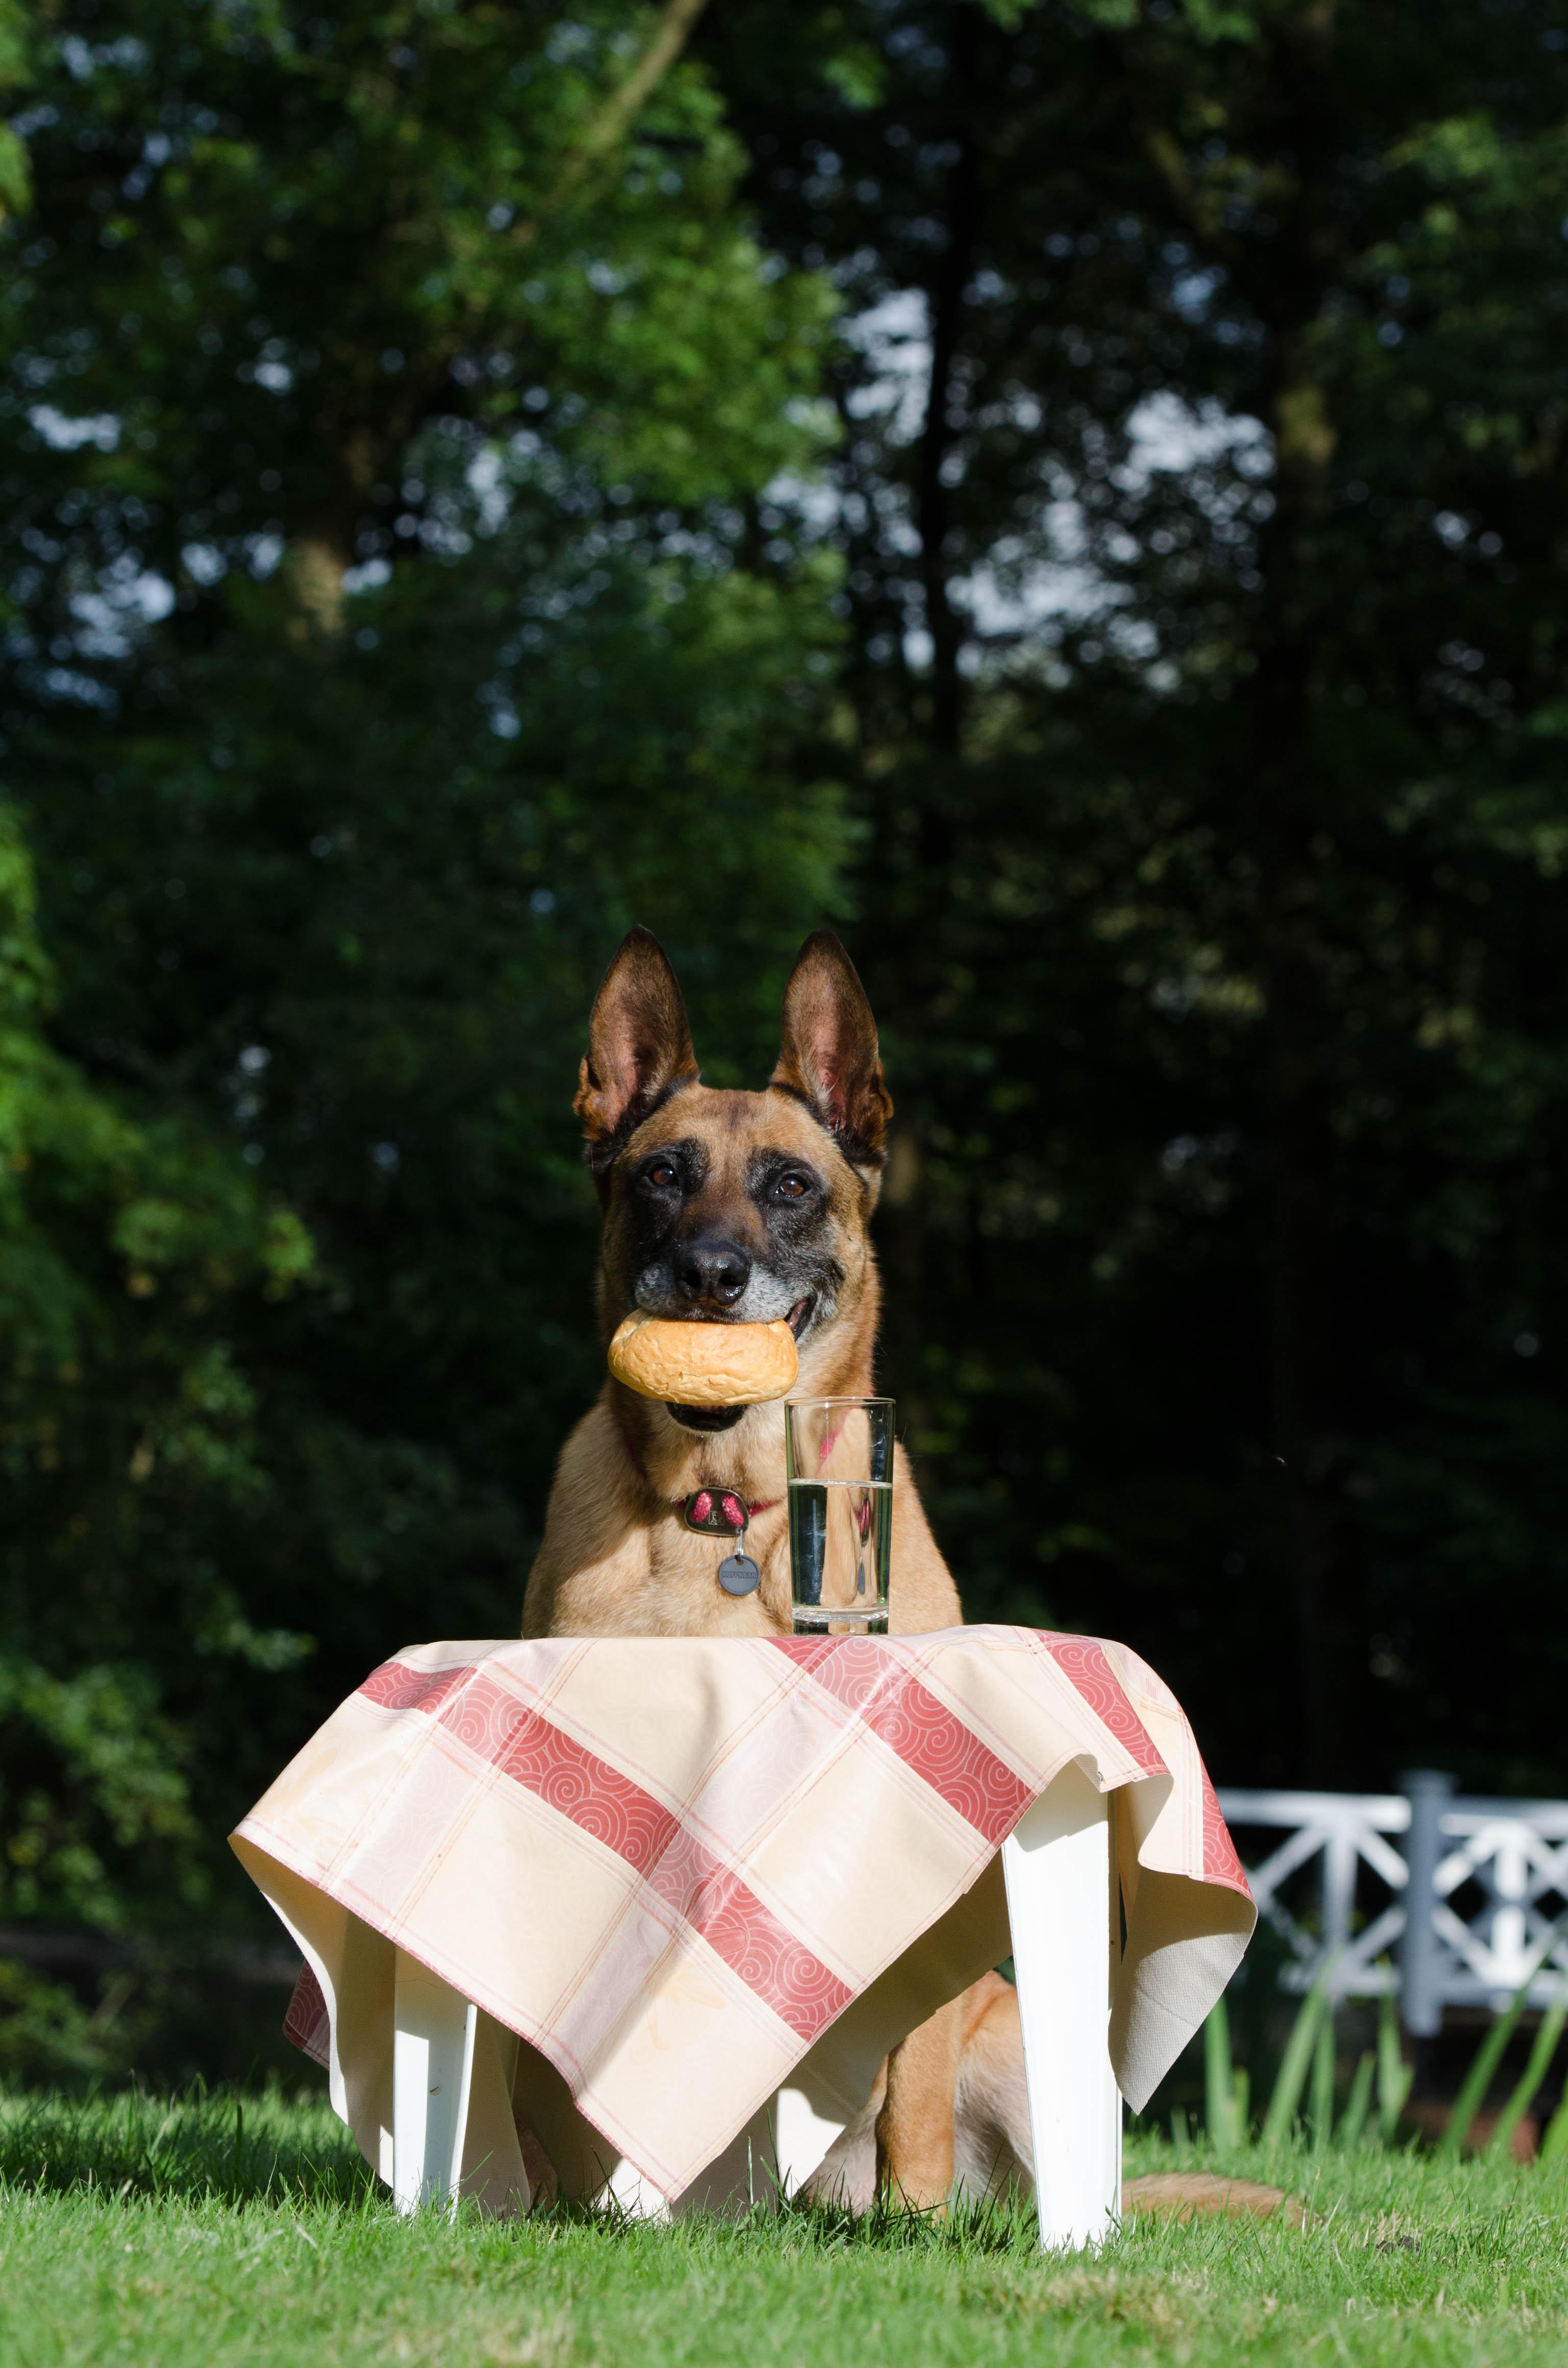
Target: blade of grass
{"points": [[1554, 2145], [1500, 2144], [1394, 2074], [1218, 2078], [1478, 2079], [1320, 2095], [1291, 2079], [1357, 2105]]}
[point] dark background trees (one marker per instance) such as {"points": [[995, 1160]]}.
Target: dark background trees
{"points": [[1213, 880], [1072, 494]]}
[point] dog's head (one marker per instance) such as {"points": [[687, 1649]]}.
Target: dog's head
{"points": [[728, 1207]]}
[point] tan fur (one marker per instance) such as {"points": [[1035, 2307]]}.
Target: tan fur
{"points": [[617, 1558], [1201, 2194], [993, 2147], [991, 2150], [914, 2133]]}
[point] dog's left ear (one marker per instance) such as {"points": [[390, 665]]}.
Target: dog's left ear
{"points": [[829, 1054]]}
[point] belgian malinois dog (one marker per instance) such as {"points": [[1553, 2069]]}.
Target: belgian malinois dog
{"points": [[741, 1208], [729, 1207]]}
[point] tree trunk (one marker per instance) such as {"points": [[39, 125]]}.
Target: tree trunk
{"points": [[933, 508], [315, 568], [1305, 1354]]}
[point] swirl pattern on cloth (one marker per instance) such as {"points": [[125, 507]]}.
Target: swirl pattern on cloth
{"points": [[678, 1869], [1221, 1864], [1084, 1660], [922, 1731]]}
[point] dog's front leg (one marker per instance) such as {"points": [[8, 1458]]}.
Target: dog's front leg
{"points": [[915, 2128]]}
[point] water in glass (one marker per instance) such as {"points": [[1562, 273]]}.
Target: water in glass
{"points": [[840, 1486]]}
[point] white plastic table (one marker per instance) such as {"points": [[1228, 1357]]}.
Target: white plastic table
{"points": [[1063, 1912]]}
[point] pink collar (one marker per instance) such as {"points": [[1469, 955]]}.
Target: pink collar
{"points": [[711, 1488], [766, 1505]]}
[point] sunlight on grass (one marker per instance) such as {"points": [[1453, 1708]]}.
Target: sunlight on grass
{"points": [[219, 2228]]}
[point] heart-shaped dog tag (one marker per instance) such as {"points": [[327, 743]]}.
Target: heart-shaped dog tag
{"points": [[739, 1574]]}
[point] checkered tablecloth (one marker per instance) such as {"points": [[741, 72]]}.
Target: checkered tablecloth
{"points": [[672, 1866]]}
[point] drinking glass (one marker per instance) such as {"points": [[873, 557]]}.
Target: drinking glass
{"points": [[838, 1458]]}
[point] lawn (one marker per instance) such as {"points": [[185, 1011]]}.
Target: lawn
{"points": [[140, 2231]]}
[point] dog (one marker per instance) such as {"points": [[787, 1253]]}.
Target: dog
{"points": [[731, 1207], [721, 1206]]}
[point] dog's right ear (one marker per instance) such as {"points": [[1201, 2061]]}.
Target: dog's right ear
{"points": [[639, 1047]]}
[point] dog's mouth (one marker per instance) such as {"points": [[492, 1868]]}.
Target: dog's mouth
{"points": [[706, 1417], [800, 1315]]}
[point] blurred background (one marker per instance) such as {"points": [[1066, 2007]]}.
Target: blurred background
{"points": [[1074, 496]]}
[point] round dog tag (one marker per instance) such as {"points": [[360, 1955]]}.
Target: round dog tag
{"points": [[739, 1574]]}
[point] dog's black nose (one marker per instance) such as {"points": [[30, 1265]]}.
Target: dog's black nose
{"points": [[716, 1271]]}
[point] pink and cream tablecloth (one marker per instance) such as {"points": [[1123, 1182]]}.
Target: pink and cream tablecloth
{"points": [[672, 1866]]}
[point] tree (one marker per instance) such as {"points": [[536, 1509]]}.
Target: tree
{"points": [[125, 1248], [390, 401], [1199, 490]]}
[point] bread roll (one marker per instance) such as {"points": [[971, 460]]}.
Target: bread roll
{"points": [[703, 1365]]}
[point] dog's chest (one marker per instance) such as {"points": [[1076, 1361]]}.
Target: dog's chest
{"points": [[684, 1595]]}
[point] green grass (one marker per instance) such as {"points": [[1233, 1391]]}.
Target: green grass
{"points": [[138, 2231]]}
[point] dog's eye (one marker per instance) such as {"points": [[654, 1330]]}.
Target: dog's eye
{"points": [[661, 1176], [792, 1187]]}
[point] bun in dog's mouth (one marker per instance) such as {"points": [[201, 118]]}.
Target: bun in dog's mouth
{"points": [[711, 1418]]}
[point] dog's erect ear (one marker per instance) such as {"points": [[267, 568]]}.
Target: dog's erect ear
{"points": [[829, 1055], [639, 1046]]}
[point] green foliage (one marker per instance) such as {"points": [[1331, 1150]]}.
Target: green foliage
{"points": [[1359, 2103], [1224, 2109], [391, 623], [124, 1244], [1528, 2087], [1303, 2056], [15, 42], [1480, 2076], [1310, 2056], [1554, 2139], [1394, 2076], [346, 224]]}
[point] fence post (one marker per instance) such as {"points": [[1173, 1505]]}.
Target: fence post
{"points": [[1429, 1791]]}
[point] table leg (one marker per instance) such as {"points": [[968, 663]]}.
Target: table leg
{"points": [[805, 2126], [1058, 1868], [779, 2147], [636, 2196], [433, 2038], [774, 2155]]}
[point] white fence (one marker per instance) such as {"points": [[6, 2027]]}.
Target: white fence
{"points": [[1447, 1899]]}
